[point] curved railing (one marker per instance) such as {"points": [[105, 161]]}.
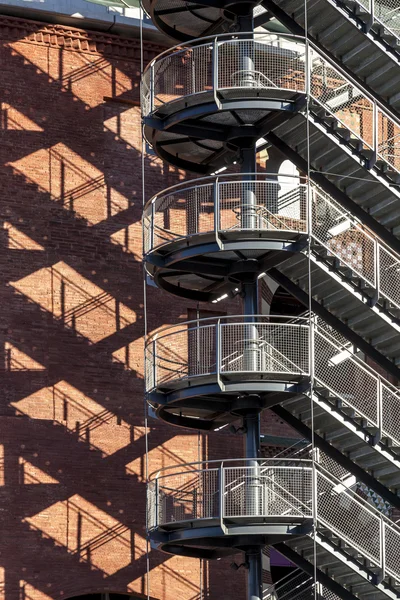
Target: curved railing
{"points": [[216, 65], [217, 206], [227, 346], [220, 206], [212, 67], [273, 488], [230, 346], [230, 490]]}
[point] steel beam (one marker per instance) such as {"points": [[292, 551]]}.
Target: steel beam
{"points": [[309, 568]]}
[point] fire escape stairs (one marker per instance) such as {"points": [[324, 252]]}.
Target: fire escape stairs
{"points": [[366, 45], [363, 179]]}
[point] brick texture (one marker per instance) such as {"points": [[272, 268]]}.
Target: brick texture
{"points": [[72, 443]]}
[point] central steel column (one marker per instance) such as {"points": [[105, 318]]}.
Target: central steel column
{"points": [[252, 351]]}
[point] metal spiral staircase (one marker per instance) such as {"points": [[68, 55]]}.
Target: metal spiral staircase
{"points": [[216, 102]]}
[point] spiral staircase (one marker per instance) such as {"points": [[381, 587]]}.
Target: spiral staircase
{"points": [[231, 90]]}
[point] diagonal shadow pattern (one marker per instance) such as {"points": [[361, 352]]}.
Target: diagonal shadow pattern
{"points": [[80, 468]]}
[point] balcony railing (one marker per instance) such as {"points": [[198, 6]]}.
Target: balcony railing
{"points": [[225, 347], [273, 489], [212, 68], [231, 347], [230, 490], [220, 206], [217, 206]]}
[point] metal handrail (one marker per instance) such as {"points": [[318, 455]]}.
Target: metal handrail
{"points": [[377, 110], [267, 319], [157, 474], [379, 269], [339, 518], [385, 396]]}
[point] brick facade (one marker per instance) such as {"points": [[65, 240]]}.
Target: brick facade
{"points": [[72, 443]]}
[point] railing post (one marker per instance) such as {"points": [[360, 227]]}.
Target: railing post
{"points": [[157, 505], [221, 494], [152, 88], [217, 213], [153, 215], [377, 274], [215, 67], [375, 141], [195, 504], [218, 350], [378, 435], [378, 269], [155, 363], [382, 549]]}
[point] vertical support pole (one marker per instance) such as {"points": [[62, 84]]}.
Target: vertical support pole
{"points": [[157, 505], [378, 269], [221, 495], [383, 549], [218, 351], [152, 88], [378, 435], [375, 135], [217, 213], [254, 561], [251, 420], [215, 69], [153, 216], [154, 363]]}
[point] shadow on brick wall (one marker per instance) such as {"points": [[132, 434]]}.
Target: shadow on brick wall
{"points": [[72, 443]]}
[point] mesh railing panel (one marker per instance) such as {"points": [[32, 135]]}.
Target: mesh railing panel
{"points": [[392, 554], [264, 347], [343, 237], [388, 140], [363, 392], [386, 12], [185, 353], [191, 350], [342, 99], [181, 74], [253, 205], [389, 275], [345, 516], [369, 389], [267, 492], [265, 65], [327, 594], [391, 413], [188, 496]]}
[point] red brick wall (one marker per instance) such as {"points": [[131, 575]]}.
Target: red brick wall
{"points": [[72, 469]]}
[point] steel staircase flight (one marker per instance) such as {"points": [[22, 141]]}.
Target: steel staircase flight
{"points": [[362, 35], [347, 553], [358, 426]]}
